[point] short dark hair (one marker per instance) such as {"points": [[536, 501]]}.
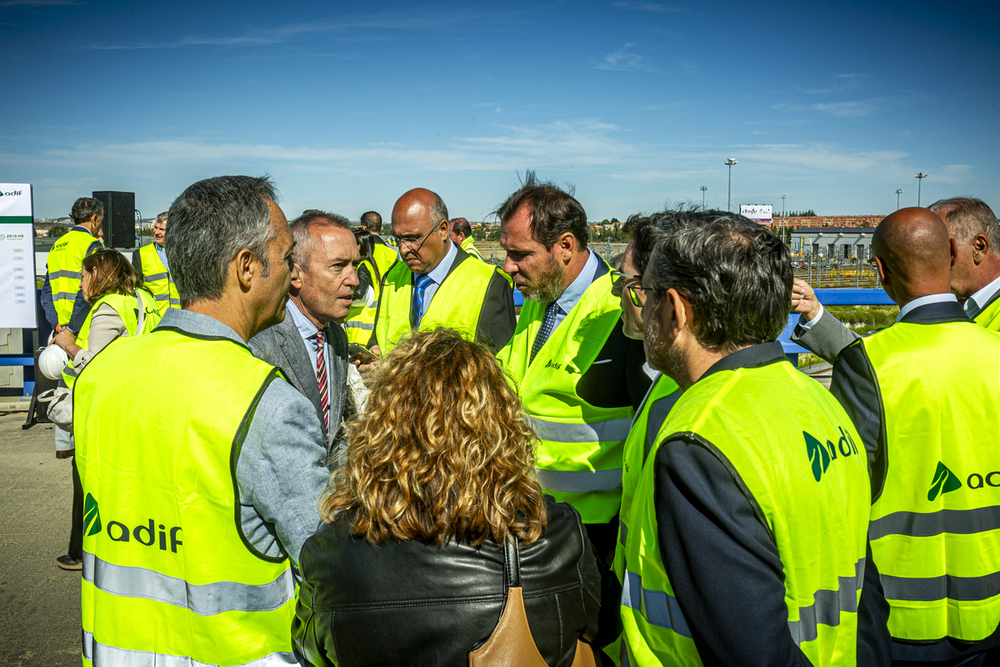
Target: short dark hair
{"points": [[645, 232], [210, 223], [553, 211], [461, 226], [735, 273], [301, 226], [84, 209], [967, 217], [372, 221]]}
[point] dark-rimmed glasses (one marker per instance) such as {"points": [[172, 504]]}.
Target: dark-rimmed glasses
{"points": [[636, 284]]}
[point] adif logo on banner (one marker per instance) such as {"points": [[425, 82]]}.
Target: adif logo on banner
{"points": [[757, 212], [15, 199]]}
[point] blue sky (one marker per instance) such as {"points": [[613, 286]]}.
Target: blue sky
{"points": [[348, 105]]}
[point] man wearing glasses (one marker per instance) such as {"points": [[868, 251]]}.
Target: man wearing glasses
{"points": [[579, 377], [437, 284], [645, 231]]}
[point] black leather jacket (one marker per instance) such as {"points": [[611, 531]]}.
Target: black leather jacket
{"points": [[409, 603]]}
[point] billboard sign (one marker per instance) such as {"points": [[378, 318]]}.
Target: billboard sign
{"points": [[17, 257], [757, 212]]}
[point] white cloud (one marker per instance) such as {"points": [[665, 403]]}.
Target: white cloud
{"points": [[622, 59], [952, 173]]}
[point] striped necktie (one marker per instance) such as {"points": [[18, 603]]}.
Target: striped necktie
{"points": [[324, 385], [421, 282], [548, 324]]}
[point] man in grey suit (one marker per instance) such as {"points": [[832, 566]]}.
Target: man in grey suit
{"points": [[309, 345]]}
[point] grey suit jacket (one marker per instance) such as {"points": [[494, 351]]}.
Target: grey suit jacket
{"points": [[826, 338], [282, 346]]}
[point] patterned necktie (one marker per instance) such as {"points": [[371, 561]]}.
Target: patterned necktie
{"points": [[421, 282], [324, 388], [548, 324]]}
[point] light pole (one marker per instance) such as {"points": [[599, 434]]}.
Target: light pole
{"points": [[920, 177], [729, 198], [898, 192], [703, 188], [783, 198]]}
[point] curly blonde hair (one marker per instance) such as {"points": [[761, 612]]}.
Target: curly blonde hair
{"points": [[442, 453]]}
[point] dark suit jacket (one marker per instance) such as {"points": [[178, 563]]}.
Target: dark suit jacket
{"points": [[282, 346]]}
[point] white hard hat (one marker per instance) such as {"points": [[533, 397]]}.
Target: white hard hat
{"points": [[52, 361]]}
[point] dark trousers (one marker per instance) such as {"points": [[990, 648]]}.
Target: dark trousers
{"points": [[76, 531]]}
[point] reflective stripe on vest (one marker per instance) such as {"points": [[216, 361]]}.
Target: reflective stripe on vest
{"points": [[157, 278], [204, 600], [457, 303], [64, 268], [935, 527], [109, 656], [657, 607], [829, 607], [163, 536], [579, 453], [789, 486]]}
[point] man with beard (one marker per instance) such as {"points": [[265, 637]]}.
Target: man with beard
{"points": [[579, 377], [747, 539]]}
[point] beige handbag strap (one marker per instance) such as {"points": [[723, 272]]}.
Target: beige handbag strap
{"points": [[511, 642]]}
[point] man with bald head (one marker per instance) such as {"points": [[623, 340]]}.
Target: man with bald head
{"points": [[975, 278], [928, 412], [437, 284]]}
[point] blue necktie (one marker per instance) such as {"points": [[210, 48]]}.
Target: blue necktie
{"points": [[421, 283], [548, 324]]}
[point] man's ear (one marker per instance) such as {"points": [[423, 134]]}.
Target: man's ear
{"points": [[245, 266], [680, 313], [296, 276], [883, 272], [565, 245], [953, 245], [980, 248]]}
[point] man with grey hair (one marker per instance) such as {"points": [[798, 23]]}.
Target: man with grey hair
{"points": [[153, 268], [309, 345], [197, 508], [747, 535]]}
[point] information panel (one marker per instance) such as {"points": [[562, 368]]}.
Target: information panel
{"points": [[17, 257], [756, 212]]}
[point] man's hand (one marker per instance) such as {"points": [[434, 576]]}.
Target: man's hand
{"points": [[804, 300], [366, 362]]}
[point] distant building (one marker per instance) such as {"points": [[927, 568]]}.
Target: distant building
{"points": [[833, 242], [828, 221]]}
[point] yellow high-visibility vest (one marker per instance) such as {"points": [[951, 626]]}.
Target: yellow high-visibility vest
{"points": [[157, 279], [167, 571], [65, 267]]}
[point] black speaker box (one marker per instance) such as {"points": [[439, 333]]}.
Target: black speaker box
{"points": [[119, 218]]}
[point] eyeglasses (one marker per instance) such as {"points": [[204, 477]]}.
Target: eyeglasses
{"points": [[636, 284], [414, 244]]}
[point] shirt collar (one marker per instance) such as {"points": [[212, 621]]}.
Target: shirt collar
{"points": [[199, 325], [572, 295], [975, 303], [923, 301], [440, 272], [306, 328], [81, 228]]}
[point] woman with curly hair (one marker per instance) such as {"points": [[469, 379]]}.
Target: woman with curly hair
{"points": [[439, 475]]}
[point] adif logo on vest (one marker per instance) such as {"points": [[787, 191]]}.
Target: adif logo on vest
{"points": [[945, 481], [119, 532], [821, 456]]}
